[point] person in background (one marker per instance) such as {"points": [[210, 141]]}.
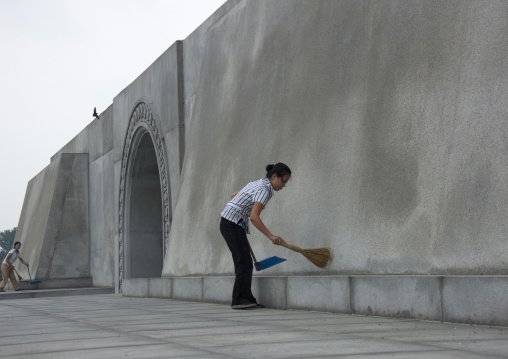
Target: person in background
{"points": [[8, 267], [234, 226]]}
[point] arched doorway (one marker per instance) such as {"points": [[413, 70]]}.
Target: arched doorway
{"points": [[144, 215], [144, 248]]}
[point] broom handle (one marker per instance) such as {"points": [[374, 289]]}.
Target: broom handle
{"points": [[291, 247], [251, 252]]}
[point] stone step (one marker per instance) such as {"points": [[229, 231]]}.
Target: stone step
{"points": [[58, 283], [62, 292]]}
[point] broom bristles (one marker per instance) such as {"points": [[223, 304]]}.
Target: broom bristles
{"points": [[317, 256], [19, 277]]}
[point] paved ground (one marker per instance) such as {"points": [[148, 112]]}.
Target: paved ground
{"points": [[112, 326]]}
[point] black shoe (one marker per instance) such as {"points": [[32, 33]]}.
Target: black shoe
{"points": [[259, 305], [244, 305]]}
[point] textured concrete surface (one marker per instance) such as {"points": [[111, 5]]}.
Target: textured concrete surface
{"points": [[476, 299], [392, 116], [112, 326], [400, 296], [398, 150]]}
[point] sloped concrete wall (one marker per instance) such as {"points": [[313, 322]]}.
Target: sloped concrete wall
{"points": [[34, 217], [54, 226], [392, 115]]}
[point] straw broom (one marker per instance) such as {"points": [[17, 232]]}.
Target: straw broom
{"points": [[19, 277], [318, 256]]}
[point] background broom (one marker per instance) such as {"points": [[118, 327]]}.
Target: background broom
{"points": [[19, 277], [318, 256]]}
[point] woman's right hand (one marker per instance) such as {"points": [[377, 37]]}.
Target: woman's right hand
{"points": [[276, 240]]}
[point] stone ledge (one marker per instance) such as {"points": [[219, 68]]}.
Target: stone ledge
{"points": [[54, 283], [62, 292], [461, 299]]}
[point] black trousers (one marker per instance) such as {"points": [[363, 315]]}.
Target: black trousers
{"points": [[236, 239]]}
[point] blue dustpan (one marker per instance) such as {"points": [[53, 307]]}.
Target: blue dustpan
{"points": [[265, 263], [268, 262], [33, 282]]}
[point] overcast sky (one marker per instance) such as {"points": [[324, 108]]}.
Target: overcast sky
{"points": [[61, 58]]}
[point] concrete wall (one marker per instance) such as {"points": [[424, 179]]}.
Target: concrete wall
{"points": [[161, 87], [54, 225], [97, 140], [103, 201], [392, 116], [194, 51]]}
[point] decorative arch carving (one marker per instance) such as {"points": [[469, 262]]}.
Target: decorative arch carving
{"points": [[142, 120]]}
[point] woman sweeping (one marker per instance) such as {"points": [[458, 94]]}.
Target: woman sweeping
{"points": [[8, 267], [234, 226]]}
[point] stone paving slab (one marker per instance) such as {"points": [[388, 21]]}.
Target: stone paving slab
{"points": [[112, 326]]}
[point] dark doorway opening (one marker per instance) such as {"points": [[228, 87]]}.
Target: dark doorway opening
{"points": [[145, 247]]}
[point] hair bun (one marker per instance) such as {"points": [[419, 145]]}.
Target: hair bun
{"points": [[280, 169]]}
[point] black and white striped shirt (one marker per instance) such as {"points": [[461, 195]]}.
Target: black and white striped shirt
{"points": [[239, 208]]}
